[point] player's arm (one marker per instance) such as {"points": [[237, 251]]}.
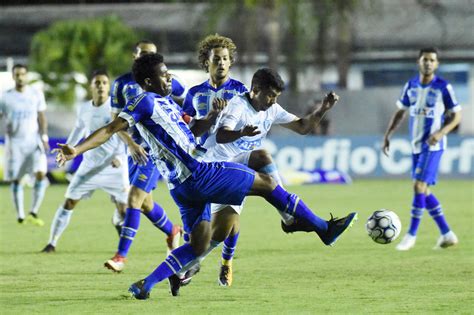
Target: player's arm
{"points": [[43, 129], [395, 122], [304, 125], [200, 126], [66, 152], [137, 152], [226, 135], [447, 128]]}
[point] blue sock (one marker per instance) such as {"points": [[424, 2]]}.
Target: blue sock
{"points": [[158, 217], [291, 204], [129, 229], [436, 211], [172, 264], [416, 213], [229, 247]]}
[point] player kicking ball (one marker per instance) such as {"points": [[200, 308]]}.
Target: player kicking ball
{"points": [[193, 184]]}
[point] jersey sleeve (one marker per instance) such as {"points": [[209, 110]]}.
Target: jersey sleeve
{"points": [[404, 102], [117, 101], [188, 107], [178, 88], [282, 116], [137, 109], [78, 132], [449, 99], [230, 116]]}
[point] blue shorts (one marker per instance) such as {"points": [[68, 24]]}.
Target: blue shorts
{"points": [[144, 177], [425, 166], [216, 182]]}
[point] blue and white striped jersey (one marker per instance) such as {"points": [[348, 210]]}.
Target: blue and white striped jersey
{"points": [[125, 88], [427, 105], [173, 147], [198, 101]]}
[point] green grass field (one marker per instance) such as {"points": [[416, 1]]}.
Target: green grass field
{"points": [[274, 273]]}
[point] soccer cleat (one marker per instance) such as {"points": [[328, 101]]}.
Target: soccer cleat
{"points": [[31, 219], [172, 241], [446, 240], [297, 226], [407, 243], [21, 221], [175, 284], [225, 276], [116, 263], [336, 227], [49, 249], [137, 291], [189, 274]]}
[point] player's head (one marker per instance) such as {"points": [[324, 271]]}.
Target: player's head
{"points": [[144, 47], [216, 55], [100, 86], [267, 85], [151, 74], [428, 60], [20, 75]]}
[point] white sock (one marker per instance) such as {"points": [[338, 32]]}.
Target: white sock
{"points": [[17, 192], [38, 194], [271, 170], [198, 260], [117, 218], [59, 224]]}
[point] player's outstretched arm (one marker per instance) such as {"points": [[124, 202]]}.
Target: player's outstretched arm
{"points": [[304, 125], [395, 122], [137, 152], [66, 152]]}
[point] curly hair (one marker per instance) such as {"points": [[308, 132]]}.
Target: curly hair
{"points": [[144, 67], [215, 41]]}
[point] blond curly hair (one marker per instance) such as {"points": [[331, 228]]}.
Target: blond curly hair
{"points": [[215, 41]]}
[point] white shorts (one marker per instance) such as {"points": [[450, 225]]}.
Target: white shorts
{"points": [[22, 158], [112, 180], [242, 158]]}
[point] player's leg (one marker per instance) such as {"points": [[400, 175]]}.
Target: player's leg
{"points": [[196, 218], [59, 224], [429, 174], [262, 162], [39, 189], [228, 248], [14, 171]]}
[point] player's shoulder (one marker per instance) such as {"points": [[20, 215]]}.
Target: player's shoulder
{"points": [[237, 85], [440, 83], [124, 78], [199, 87]]}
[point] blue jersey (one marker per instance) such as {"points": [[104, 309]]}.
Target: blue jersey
{"points": [[198, 101], [173, 147], [427, 104], [125, 88]]}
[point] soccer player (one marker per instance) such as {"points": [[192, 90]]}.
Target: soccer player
{"points": [[193, 184], [26, 142], [242, 129], [427, 98], [104, 167], [216, 55], [142, 172]]}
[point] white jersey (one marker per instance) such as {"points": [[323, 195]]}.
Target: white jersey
{"points": [[239, 113], [20, 110], [89, 119]]}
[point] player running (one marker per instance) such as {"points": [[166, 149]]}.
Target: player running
{"points": [[193, 184], [104, 167]]}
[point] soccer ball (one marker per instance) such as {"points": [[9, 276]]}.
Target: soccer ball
{"points": [[383, 226]]}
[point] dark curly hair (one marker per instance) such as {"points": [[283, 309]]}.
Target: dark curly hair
{"points": [[215, 41], [145, 66]]}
